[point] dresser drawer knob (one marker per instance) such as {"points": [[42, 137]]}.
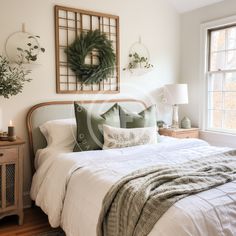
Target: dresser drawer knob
{"points": [[1, 154]]}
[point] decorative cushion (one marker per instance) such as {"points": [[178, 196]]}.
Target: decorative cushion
{"points": [[120, 138], [146, 118], [89, 127]]}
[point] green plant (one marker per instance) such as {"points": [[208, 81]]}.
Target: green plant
{"points": [[138, 61], [12, 78], [92, 42], [30, 53]]}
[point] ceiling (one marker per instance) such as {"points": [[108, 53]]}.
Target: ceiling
{"points": [[188, 5]]}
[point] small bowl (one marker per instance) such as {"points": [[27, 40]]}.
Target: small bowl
{"points": [[11, 138]]}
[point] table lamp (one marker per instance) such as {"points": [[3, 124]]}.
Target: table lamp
{"points": [[176, 94]]}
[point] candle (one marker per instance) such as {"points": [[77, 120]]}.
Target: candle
{"points": [[11, 132]]}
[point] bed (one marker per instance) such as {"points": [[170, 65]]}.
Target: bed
{"points": [[70, 187]]}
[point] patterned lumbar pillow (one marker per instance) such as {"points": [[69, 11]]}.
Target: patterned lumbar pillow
{"points": [[120, 138], [90, 125], [146, 118]]}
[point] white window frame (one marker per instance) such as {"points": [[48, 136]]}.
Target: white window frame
{"points": [[204, 65]]}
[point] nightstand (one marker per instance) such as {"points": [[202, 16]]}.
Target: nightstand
{"points": [[180, 133], [11, 178]]}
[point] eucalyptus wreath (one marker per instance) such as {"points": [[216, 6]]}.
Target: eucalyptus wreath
{"points": [[12, 78], [86, 44]]}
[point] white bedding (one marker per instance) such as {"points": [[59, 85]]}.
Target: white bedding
{"points": [[70, 188]]}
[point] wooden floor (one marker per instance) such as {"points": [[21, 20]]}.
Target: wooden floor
{"points": [[35, 224]]}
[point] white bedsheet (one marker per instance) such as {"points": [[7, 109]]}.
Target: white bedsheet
{"points": [[70, 188]]}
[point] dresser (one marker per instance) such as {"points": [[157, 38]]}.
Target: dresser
{"points": [[11, 178], [180, 133]]}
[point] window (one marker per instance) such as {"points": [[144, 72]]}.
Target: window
{"points": [[221, 80]]}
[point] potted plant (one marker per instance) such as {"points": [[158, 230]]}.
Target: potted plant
{"points": [[12, 78]]}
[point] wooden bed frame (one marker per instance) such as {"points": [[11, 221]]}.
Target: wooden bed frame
{"points": [[29, 118]]}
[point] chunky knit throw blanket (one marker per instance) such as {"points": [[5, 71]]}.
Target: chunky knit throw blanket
{"points": [[136, 202]]}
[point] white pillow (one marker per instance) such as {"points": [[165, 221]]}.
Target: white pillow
{"points": [[120, 138], [60, 133]]}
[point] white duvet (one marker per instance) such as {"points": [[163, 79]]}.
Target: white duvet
{"points": [[70, 188]]}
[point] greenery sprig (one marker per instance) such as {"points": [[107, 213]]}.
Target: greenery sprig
{"points": [[137, 61], [32, 50], [12, 78], [92, 42]]}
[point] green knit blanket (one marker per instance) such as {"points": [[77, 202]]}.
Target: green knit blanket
{"points": [[136, 202]]}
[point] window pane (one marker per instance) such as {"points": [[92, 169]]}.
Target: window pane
{"points": [[231, 33], [230, 120], [215, 119], [230, 100], [231, 60], [218, 40], [221, 90], [217, 61], [215, 82], [230, 82], [215, 100]]}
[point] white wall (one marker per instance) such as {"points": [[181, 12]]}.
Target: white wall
{"points": [[154, 20], [190, 62]]}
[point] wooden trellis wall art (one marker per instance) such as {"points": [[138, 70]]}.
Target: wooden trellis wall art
{"points": [[69, 23]]}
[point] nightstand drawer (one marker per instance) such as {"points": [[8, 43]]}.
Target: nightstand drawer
{"points": [[8, 155], [187, 135]]}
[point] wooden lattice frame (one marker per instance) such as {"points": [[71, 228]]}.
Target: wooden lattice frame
{"points": [[69, 23]]}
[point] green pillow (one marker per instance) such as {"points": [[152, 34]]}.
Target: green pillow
{"points": [[89, 127], [146, 118]]}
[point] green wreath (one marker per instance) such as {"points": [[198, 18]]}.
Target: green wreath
{"points": [[86, 44]]}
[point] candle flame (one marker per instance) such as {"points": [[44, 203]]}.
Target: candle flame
{"points": [[11, 123]]}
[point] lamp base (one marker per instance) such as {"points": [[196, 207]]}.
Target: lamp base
{"points": [[175, 117]]}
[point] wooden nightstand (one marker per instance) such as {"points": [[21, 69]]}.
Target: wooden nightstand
{"points": [[11, 179], [180, 133]]}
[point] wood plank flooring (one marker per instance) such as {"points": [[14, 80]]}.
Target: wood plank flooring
{"points": [[35, 224]]}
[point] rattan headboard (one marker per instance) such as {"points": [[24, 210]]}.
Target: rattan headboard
{"points": [[43, 112]]}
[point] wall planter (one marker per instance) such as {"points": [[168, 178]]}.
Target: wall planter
{"points": [[23, 48], [139, 60]]}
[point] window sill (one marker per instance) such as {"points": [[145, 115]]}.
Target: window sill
{"points": [[222, 131], [218, 138]]}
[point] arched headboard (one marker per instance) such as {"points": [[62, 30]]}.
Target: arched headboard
{"points": [[53, 110]]}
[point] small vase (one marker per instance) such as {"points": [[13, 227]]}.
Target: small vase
{"points": [[185, 123]]}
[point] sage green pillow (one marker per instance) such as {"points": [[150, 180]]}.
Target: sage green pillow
{"points": [[89, 127], [146, 118]]}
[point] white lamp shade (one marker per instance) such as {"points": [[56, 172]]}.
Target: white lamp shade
{"points": [[176, 94]]}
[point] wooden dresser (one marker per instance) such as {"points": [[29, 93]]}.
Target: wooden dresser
{"points": [[180, 133], [11, 178]]}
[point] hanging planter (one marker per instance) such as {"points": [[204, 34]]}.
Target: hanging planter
{"points": [[23, 48], [139, 60]]}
